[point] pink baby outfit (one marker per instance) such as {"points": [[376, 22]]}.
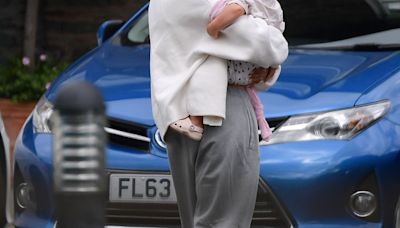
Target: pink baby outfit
{"points": [[239, 72]]}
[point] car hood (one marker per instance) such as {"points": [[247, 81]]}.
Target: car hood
{"points": [[311, 81]]}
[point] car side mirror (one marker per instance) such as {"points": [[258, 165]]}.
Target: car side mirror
{"points": [[107, 29]]}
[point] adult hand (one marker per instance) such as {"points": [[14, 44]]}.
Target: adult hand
{"points": [[261, 75]]}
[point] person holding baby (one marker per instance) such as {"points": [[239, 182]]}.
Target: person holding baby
{"points": [[208, 59]]}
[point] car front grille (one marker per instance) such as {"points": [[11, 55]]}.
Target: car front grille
{"points": [[267, 213], [128, 135], [131, 135]]}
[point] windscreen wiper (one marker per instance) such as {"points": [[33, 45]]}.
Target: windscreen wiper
{"points": [[372, 47], [355, 47]]}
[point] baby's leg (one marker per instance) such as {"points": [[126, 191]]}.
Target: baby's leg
{"points": [[197, 120]]}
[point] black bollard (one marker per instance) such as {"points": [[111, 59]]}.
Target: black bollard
{"points": [[79, 142]]}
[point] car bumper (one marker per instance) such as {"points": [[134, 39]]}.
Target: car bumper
{"points": [[312, 181]]}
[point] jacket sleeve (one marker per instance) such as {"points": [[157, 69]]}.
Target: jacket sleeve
{"points": [[249, 39]]}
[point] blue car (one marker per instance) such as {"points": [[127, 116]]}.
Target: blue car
{"points": [[334, 157], [5, 164]]}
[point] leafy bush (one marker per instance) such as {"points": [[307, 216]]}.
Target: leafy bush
{"points": [[20, 83]]}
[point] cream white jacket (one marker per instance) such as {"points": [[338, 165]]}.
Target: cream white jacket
{"points": [[184, 59]]}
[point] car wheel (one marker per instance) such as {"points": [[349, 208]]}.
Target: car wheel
{"points": [[18, 205], [397, 215], [2, 187]]}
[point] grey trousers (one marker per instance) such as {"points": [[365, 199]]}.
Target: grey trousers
{"points": [[216, 179]]}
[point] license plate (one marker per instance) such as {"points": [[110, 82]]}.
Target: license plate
{"points": [[142, 188]]}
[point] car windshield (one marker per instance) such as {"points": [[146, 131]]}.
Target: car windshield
{"points": [[321, 24]]}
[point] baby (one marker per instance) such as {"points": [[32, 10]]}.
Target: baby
{"points": [[224, 14]]}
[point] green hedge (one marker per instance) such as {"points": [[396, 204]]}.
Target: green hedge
{"points": [[20, 84]]}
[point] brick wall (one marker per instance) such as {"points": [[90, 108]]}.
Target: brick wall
{"points": [[67, 28], [11, 27]]}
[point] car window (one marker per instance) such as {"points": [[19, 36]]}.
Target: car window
{"points": [[309, 22], [318, 21], [137, 34]]}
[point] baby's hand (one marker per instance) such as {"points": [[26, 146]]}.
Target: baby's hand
{"points": [[262, 75]]}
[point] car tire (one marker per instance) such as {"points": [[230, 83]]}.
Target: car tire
{"points": [[2, 186], [397, 215], [17, 181]]}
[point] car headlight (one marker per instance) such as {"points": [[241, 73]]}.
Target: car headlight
{"points": [[41, 116], [334, 125]]}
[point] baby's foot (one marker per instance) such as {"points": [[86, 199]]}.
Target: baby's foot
{"points": [[186, 127]]}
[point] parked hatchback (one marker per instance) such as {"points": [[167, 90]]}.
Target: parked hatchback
{"points": [[333, 160]]}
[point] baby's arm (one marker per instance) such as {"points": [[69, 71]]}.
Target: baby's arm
{"points": [[227, 17], [252, 39]]}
